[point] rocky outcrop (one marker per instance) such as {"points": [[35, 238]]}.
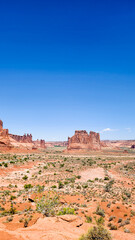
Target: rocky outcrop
{"points": [[3, 132], [1, 125], [4, 137], [39, 143], [12, 140], [84, 141], [26, 138]]}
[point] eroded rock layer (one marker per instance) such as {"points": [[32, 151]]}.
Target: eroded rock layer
{"points": [[4, 137], [12, 140], [84, 141], [26, 138]]}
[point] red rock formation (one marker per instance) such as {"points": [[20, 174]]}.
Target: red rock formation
{"points": [[3, 132], [4, 137], [1, 125], [26, 138], [39, 143], [84, 141]]}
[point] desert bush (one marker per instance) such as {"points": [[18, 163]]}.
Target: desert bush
{"points": [[48, 204], [5, 165], [79, 177], [28, 186], [106, 178], [26, 223], [119, 220], [108, 186], [45, 167], [111, 218], [132, 213], [100, 221], [40, 188], [112, 226], [25, 177], [66, 211], [97, 233], [9, 219], [60, 185], [12, 197], [88, 219], [100, 211]]}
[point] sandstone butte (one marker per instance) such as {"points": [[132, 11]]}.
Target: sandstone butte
{"points": [[8, 141], [84, 141]]}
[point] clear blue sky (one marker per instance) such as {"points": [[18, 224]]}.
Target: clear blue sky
{"points": [[67, 65]]}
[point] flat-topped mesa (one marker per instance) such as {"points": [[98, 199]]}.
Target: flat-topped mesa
{"points": [[84, 141]]}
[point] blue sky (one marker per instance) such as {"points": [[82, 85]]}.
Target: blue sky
{"points": [[67, 66]]}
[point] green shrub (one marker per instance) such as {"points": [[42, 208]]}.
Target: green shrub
{"points": [[12, 197], [26, 223], [25, 177], [113, 227], [60, 185], [48, 204], [9, 219], [61, 165], [106, 178], [66, 211], [40, 188], [27, 186], [108, 186], [45, 167], [100, 221], [88, 219], [5, 165], [97, 233], [79, 177], [100, 211]]}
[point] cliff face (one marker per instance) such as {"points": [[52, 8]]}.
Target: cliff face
{"points": [[12, 140], [4, 137], [39, 143], [26, 138], [84, 141], [3, 132]]}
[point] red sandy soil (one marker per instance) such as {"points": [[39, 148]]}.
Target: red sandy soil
{"points": [[65, 227]]}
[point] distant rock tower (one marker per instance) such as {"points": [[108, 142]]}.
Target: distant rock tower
{"points": [[1, 125], [84, 141]]}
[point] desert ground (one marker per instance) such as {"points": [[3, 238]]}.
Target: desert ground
{"points": [[58, 195]]}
